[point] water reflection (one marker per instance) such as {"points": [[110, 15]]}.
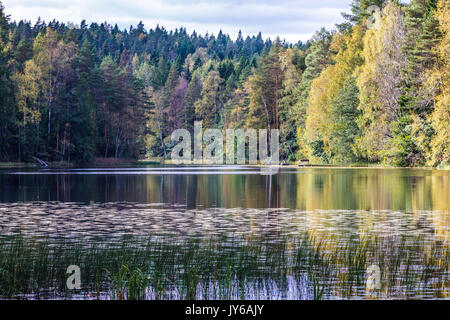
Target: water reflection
{"points": [[231, 187], [398, 218], [119, 219]]}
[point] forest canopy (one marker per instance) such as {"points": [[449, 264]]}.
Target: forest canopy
{"points": [[359, 93]]}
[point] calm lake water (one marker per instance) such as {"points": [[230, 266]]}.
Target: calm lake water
{"points": [[395, 219]]}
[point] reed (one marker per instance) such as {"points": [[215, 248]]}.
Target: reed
{"points": [[219, 268]]}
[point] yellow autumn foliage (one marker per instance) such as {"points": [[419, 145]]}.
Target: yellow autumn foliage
{"points": [[326, 87], [440, 76]]}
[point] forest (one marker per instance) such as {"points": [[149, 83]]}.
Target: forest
{"points": [[366, 92]]}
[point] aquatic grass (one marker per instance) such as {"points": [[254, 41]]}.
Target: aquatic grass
{"points": [[318, 290], [219, 268]]}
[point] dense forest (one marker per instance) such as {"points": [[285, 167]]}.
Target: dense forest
{"points": [[369, 91]]}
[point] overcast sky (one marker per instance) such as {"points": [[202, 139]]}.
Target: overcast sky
{"points": [[291, 20]]}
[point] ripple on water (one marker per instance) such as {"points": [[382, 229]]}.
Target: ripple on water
{"points": [[117, 219]]}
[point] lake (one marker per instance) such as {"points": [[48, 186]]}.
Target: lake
{"points": [[165, 232]]}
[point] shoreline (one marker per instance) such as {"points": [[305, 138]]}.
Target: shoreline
{"points": [[122, 163]]}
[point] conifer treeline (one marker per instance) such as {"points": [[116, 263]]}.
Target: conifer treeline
{"points": [[361, 93]]}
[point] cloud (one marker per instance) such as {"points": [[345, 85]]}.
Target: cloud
{"points": [[289, 19]]}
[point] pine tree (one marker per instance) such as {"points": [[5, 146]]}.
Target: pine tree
{"points": [[83, 119], [192, 95], [265, 91], [423, 34], [8, 133], [318, 58], [359, 10], [209, 107], [76, 93], [343, 119]]}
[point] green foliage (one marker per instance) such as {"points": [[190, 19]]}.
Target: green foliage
{"points": [[402, 146], [8, 129], [76, 93], [359, 10], [344, 128]]}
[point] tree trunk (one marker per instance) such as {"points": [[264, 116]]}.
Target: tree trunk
{"points": [[117, 141], [267, 112]]}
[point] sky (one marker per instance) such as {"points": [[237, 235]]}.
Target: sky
{"points": [[292, 20]]}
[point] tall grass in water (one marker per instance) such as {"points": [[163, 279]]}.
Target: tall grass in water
{"points": [[166, 268]]}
